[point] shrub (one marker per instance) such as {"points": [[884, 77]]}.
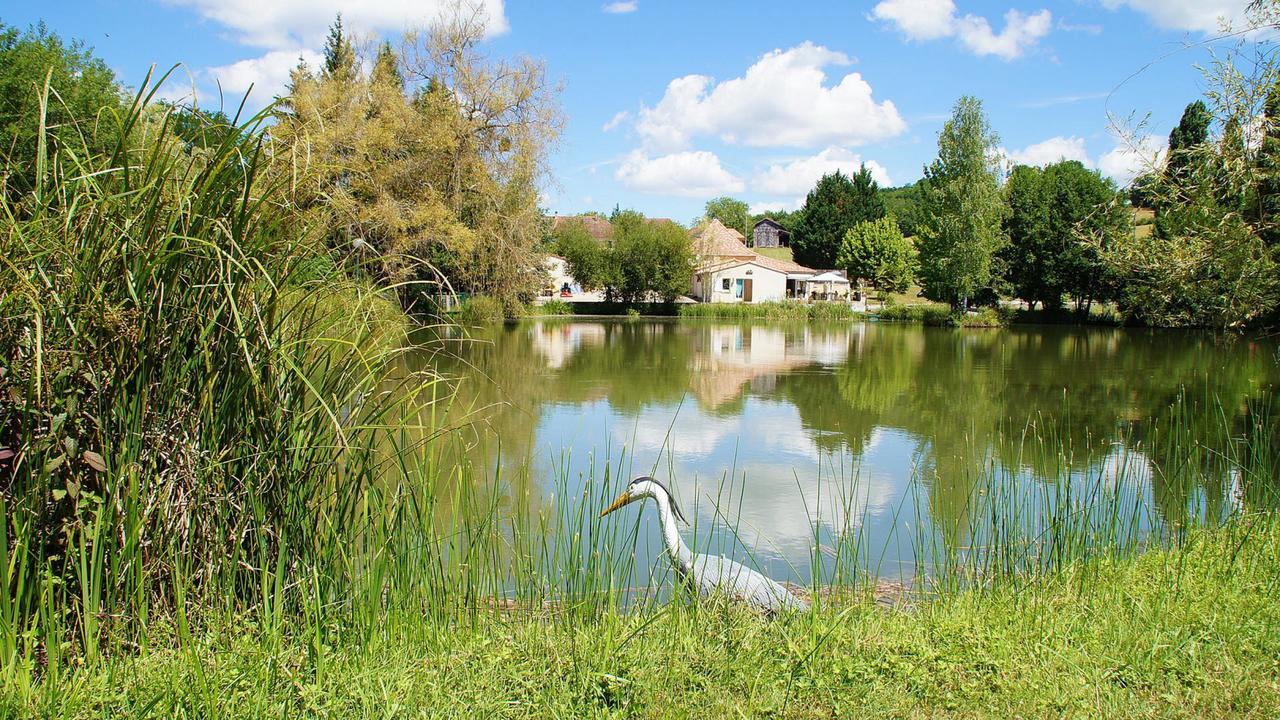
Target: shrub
{"points": [[552, 307], [481, 310]]}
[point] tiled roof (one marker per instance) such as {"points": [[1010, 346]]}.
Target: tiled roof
{"points": [[714, 240], [597, 227]]}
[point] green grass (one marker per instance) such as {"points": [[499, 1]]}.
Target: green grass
{"points": [[1185, 632], [943, 316], [770, 311], [552, 307], [779, 253]]}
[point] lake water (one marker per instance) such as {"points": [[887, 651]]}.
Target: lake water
{"points": [[781, 439]]}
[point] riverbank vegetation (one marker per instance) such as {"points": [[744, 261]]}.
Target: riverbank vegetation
{"points": [[1184, 632], [770, 311], [233, 486]]}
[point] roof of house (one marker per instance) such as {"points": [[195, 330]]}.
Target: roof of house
{"points": [[719, 247], [779, 266], [597, 227], [770, 221], [714, 240]]}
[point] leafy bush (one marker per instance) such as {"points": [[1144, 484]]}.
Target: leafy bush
{"points": [[481, 310], [787, 310], [554, 306]]}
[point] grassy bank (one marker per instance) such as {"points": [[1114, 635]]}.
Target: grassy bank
{"points": [[1184, 632], [942, 316], [770, 311]]}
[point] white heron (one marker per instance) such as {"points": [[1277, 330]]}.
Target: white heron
{"points": [[710, 574]]}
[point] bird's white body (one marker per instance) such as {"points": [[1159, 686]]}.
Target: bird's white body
{"points": [[709, 574]]}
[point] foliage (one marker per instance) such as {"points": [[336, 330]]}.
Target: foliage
{"points": [[1022, 650], [924, 313], [481, 310], [1211, 261], [426, 167], [590, 263], [773, 310], [554, 306], [78, 109], [1052, 211], [1191, 132], [876, 251], [904, 204], [182, 384], [961, 230], [652, 258], [836, 204], [644, 258], [732, 213]]}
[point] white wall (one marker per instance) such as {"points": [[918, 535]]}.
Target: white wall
{"points": [[766, 286]]}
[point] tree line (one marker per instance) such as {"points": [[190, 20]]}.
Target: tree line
{"points": [[417, 164], [1192, 242]]}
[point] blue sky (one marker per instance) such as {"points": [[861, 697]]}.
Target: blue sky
{"points": [[671, 103]]}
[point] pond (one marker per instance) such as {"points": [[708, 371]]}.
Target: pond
{"points": [[897, 447]]}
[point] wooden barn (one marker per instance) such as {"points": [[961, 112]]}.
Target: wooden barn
{"points": [[769, 234]]}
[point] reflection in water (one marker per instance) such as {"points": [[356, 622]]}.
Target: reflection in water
{"points": [[793, 434]]}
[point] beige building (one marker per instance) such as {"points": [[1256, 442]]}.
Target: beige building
{"points": [[729, 271]]}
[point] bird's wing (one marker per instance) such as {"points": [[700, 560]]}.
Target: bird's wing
{"points": [[713, 573]]}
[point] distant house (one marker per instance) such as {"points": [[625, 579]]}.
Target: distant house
{"points": [[769, 234], [596, 226], [558, 276], [729, 271]]}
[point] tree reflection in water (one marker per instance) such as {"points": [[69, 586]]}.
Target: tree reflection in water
{"points": [[802, 431]]}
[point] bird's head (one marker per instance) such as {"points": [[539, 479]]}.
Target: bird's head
{"points": [[646, 487]]}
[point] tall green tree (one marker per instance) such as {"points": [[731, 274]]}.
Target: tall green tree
{"points": [[83, 98], [652, 259], [590, 262], [1052, 211], [730, 212], [962, 209], [876, 252], [339, 54], [1191, 132], [837, 203]]}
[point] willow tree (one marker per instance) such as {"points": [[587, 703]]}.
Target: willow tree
{"points": [[961, 208], [427, 166], [1213, 261]]}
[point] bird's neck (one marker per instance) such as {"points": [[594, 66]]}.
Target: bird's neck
{"points": [[676, 549]]}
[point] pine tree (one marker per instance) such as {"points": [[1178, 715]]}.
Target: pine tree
{"points": [[339, 54], [836, 204]]}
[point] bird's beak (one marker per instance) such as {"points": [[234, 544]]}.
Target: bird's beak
{"points": [[623, 499]]}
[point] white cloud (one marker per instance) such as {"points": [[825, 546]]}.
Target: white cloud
{"points": [[919, 19], [1051, 151], [686, 174], [282, 24], [799, 176], [617, 8], [1133, 158], [781, 100], [756, 208], [616, 120], [268, 75], [1194, 15], [935, 19]]}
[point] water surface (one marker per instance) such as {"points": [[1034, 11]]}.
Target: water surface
{"points": [[781, 439]]}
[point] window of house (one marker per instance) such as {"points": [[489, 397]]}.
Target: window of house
{"points": [[724, 284], [737, 288]]}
